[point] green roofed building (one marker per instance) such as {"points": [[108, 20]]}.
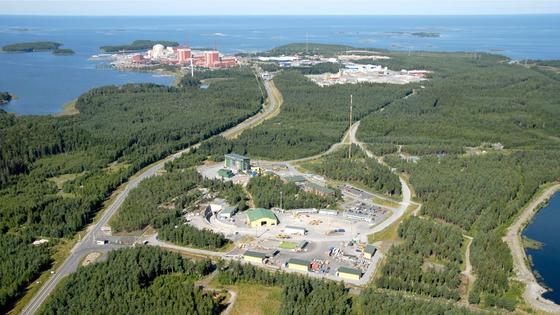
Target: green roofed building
{"points": [[237, 162], [261, 217], [252, 256], [223, 174], [369, 251]]}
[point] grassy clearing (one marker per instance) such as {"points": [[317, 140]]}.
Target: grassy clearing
{"points": [[287, 245], [69, 109], [60, 180], [390, 234], [253, 299], [385, 202], [116, 166]]}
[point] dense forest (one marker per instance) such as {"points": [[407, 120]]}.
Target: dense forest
{"points": [[141, 280], [426, 262], [359, 168], [311, 120], [487, 138], [55, 172], [140, 44], [306, 295]]}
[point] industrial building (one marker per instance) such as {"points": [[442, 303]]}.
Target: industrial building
{"points": [[237, 162], [332, 212], [227, 213], [298, 264], [295, 230], [254, 257], [369, 251], [357, 216], [349, 273], [317, 189], [261, 217]]}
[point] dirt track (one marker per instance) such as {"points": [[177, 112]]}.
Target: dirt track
{"points": [[533, 291]]}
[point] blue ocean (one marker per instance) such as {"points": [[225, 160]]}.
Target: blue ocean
{"points": [[43, 83]]}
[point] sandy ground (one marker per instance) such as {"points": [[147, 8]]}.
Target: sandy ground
{"points": [[533, 291], [90, 258]]}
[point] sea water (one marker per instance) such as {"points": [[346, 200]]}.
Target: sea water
{"points": [[43, 83]]}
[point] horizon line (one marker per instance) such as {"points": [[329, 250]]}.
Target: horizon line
{"points": [[272, 15]]}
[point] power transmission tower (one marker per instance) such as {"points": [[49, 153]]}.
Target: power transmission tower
{"points": [[349, 130]]}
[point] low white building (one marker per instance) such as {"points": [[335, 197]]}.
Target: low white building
{"points": [[227, 213], [295, 230]]}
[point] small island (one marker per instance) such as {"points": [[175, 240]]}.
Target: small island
{"points": [[425, 34], [136, 45], [38, 46], [63, 52], [5, 97]]}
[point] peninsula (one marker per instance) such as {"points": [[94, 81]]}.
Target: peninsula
{"points": [[5, 97], [141, 44]]}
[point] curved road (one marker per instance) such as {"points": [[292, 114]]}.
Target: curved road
{"points": [[87, 244], [405, 189]]}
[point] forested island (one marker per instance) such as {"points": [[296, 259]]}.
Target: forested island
{"points": [[63, 51], [5, 97], [141, 44], [54, 47]]}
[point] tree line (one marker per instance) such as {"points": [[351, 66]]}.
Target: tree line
{"points": [[141, 280]]}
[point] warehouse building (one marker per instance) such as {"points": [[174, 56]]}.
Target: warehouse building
{"points": [[255, 257], [227, 213], [298, 264], [295, 230], [237, 162], [369, 251], [349, 273], [318, 189], [261, 217]]}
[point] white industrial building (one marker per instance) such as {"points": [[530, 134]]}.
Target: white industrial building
{"points": [[295, 230]]}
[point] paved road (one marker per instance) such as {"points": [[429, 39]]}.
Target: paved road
{"points": [[87, 244], [533, 290], [405, 189]]}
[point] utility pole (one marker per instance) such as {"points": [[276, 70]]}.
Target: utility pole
{"points": [[350, 130], [281, 199]]}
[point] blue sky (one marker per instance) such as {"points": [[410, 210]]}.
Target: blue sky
{"points": [[285, 7]]}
